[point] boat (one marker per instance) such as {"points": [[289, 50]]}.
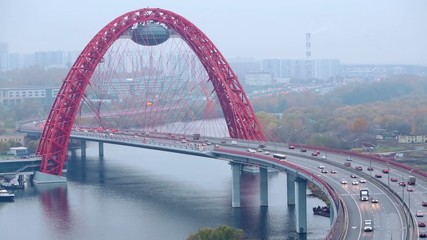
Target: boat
{"points": [[6, 196], [9, 185], [322, 211]]}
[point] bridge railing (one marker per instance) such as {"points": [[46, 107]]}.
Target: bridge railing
{"points": [[340, 222]]}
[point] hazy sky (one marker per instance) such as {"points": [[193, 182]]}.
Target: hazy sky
{"points": [[354, 31]]}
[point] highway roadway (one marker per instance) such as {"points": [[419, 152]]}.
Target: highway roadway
{"points": [[386, 215]]}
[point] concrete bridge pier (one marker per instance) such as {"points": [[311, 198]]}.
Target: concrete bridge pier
{"points": [[263, 185], [101, 149], [83, 148], [235, 189], [301, 204], [290, 184]]}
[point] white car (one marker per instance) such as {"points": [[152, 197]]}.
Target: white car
{"points": [[344, 181], [321, 167], [267, 153], [368, 226], [355, 182], [251, 150], [362, 180], [420, 213]]}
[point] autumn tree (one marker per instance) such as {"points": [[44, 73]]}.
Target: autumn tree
{"points": [[220, 233]]}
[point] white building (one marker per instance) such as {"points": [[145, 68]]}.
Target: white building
{"points": [[412, 139], [258, 79]]}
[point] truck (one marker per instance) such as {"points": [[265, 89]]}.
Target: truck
{"points": [[196, 136], [364, 194], [411, 180]]}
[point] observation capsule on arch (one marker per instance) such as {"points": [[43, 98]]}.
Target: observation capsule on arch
{"points": [[150, 34]]}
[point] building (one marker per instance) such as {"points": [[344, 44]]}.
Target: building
{"points": [[11, 96], [258, 79], [412, 139], [18, 137], [18, 151]]}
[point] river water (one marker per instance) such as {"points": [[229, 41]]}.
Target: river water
{"points": [[142, 194]]}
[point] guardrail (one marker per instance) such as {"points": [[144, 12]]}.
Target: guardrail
{"points": [[340, 223]]}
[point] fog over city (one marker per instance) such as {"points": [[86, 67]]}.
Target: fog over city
{"points": [[353, 31]]}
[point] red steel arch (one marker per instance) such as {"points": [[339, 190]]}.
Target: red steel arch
{"points": [[239, 115]]}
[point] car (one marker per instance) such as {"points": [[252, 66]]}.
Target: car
{"points": [[354, 182], [353, 176], [324, 171], [362, 180], [259, 150], [314, 154], [374, 200], [344, 181], [367, 227], [321, 167], [424, 204], [402, 184], [217, 146], [421, 224], [393, 179], [251, 150], [333, 171], [386, 171], [422, 235], [291, 147], [378, 175], [370, 169], [410, 189], [267, 153], [349, 159], [303, 150], [419, 213], [347, 164], [262, 146], [359, 168], [323, 157]]}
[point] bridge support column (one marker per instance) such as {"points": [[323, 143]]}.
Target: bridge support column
{"points": [[101, 149], [235, 189], [290, 184], [301, 205], [263, 185], [83, 147]]}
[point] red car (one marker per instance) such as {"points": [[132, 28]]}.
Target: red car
{"points": [[393, 179], [410, 189], [402, 184], [358, 168], [385, 171]]}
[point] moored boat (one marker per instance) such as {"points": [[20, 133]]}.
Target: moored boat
{"points": [[322, 211], [6, 196]]}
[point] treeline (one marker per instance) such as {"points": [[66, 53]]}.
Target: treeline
{"points": [[349, 115], [33, 76]]}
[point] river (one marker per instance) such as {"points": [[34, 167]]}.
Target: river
{"points": [[142, 194]]}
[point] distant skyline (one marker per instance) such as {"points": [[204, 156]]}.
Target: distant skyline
{"points": [[353, 31]]}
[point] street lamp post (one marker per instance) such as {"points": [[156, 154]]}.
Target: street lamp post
{"points": [[388, 174]]}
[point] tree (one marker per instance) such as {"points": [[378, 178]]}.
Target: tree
{"points": [[220, 233]]}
